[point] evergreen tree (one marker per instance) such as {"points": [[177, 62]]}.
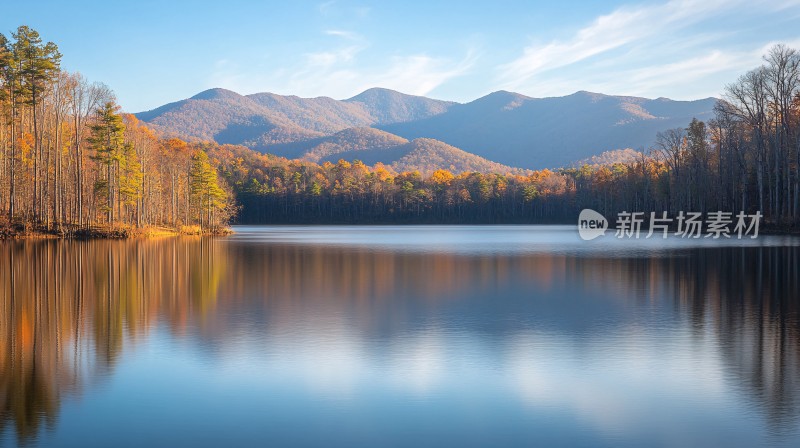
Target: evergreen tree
{"points": [[205, 190], [37, 65], [107, 139]]}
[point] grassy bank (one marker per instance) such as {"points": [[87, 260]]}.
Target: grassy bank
{"points": [[20, 231]]}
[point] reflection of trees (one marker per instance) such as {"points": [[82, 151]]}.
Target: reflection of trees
{"points": [[747, 298], [68, 307], [751, 299]]}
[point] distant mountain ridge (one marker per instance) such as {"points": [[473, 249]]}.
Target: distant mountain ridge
{"points": [[228, 117], [553, 132], [505, 128]]}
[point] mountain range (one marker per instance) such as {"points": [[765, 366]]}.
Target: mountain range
{"points": [[500, 132]]}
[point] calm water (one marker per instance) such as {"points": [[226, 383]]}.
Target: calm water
{"points": [[408, 336]]}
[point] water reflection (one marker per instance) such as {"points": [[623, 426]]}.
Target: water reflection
{"points": [[68, 306], [711, 334]]}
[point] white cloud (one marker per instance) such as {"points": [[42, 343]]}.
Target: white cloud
{"points": [[343, 34], [335, 74], [677, 48], [651, 79], [688, 70], [420, 74], [643, 48], [343, 71], [624, 26], [327, 59]]}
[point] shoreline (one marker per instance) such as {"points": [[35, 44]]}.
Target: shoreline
{"points": [[764, 230], [18, 232]]}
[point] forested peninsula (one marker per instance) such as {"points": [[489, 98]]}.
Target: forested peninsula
{"points": [[73, 164]]}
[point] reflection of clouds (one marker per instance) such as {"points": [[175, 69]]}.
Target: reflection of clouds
{"points": [[547, 373], [418, 362], [328, 356], [323, 354], [627, 389], [332, 359], [613, 391]]}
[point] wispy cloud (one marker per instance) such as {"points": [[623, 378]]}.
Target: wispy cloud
{"points": [[343, 70], [327, 59], [646, 80], [336, 74], [645, 46], [682, 49], [689, 69], [421, 74], [624, 26], [343, 34]]}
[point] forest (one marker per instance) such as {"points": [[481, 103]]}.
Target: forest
{"points": [[72, 163]]}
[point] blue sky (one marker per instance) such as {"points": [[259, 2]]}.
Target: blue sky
{"points": [[154, 52]]}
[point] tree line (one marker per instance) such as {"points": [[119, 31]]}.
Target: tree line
{"points": [[70, 161], [272, 189]]}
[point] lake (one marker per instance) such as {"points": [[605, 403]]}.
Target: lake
{"points": [[400, 336]]}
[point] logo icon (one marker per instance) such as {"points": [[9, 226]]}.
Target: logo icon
{"points": [[591, 224]]}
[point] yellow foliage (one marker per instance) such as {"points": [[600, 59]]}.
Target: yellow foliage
{"points": [[26, 144], [442, 177]]}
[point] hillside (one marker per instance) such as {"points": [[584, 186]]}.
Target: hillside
{"points": [[426, 156], [626, 155], [373, 145], [349, 143], [328, 146]]}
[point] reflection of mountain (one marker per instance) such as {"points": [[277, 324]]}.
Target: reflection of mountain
{"points": [[70, 309]]}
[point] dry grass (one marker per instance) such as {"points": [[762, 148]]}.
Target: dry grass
{"points": [[116, 231], [190, 230], [157, 231]]}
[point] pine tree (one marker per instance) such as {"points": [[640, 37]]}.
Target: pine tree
{"points": [[205, 190], [107, 139], [37, 66]]}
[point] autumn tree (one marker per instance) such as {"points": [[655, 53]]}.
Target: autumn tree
{"points": [[207, 195]]}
